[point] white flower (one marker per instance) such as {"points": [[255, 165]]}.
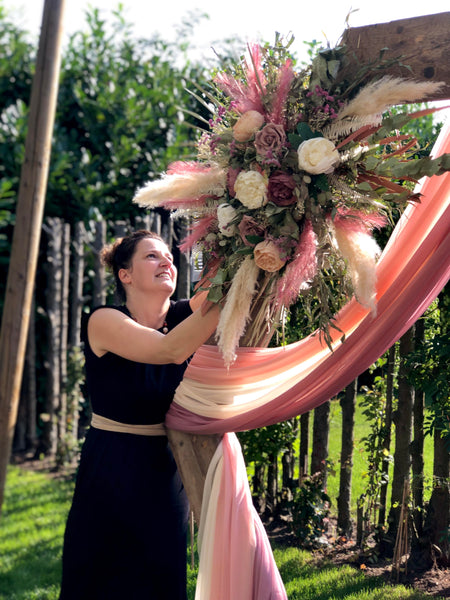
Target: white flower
{"points": [[317, 155], [225, 214], [250, 188]]}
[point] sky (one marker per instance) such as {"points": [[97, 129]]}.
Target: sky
{"points": [[322, 20]]}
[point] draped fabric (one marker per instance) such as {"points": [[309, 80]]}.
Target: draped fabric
{"points": [[268, 385], [265, 386]]}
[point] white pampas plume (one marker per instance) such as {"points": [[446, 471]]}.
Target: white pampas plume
{"points": [[179, 189], [376, 97], [361, 252], [236, 311]]}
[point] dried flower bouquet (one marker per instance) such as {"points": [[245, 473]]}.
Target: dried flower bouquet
{"points": [[297, 169]]}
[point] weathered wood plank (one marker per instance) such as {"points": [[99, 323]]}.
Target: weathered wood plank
{"points": [[421, 43]]}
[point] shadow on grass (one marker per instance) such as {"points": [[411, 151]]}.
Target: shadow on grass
{"points": [[37, 567], [306, 580]]}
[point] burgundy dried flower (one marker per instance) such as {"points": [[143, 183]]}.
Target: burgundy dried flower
{"points": [[249, 226], [281, 189]]}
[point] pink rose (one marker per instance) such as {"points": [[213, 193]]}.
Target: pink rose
{"points": [[247, 125], [267, 257], [249, 226], [270, 139], [281, 189]]}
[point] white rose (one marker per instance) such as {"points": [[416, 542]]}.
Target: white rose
{"points": [[250, 188], [225, 214], [317, 155]]}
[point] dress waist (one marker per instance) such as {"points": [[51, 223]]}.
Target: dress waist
{"points": [[106, 424]]}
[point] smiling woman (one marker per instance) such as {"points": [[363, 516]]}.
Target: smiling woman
{"points": [[126, 530]]}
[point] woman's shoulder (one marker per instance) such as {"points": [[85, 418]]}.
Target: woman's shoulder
{"points": [[87, 315]]}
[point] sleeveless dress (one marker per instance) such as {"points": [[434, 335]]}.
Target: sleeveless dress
{"points": [[126, 531]]}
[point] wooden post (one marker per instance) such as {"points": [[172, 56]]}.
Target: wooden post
{"points": [[422, 45], [29, 213]]}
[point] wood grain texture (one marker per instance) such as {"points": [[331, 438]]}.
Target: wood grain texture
{"points": [[422, 44]]}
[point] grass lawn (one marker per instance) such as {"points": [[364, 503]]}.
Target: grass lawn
{"points": [[31, 532]]}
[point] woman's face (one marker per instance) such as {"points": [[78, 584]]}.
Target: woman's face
{"points": [[152, 267]]}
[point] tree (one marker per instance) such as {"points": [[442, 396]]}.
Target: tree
{"points": [[430, 373], [348, 404]]}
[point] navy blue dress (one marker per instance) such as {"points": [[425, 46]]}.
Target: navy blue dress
{"points": [[126, 530]]}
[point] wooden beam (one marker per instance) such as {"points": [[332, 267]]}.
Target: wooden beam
{"points": [[26, 237], [422, 44]]}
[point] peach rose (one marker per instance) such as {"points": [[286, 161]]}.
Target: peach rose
{"points": [[317, 155], [247, 125], [267, 257]]}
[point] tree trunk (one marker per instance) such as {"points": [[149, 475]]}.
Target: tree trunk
{"points": [[272, 486], [417, 460], [437, 521], [387, 435], [63, 350], [348, 404], [287, 465], [74, 354], [258, 488], [304, 446], [49, 440], [321, 430], [25, 438], [76, 284], [403, 433], [99, 283], [182, 260]]}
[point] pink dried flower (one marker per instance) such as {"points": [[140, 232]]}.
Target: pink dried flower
{"points": [[287, 74], [270, 138], [301, 269], [351, 219], [198, 231]]}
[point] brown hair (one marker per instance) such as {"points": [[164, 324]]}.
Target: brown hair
{"points": [[119, 255]]}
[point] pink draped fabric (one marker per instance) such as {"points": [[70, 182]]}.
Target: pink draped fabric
{"points": [[413, 269], [241, 545]]}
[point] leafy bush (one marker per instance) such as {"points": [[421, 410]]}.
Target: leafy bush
{"points": [[310, 509]]}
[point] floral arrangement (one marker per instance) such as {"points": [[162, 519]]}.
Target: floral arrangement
{"points": [[296, 170]]}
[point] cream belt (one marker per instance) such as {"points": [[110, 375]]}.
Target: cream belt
{"points": [[100, 422]]}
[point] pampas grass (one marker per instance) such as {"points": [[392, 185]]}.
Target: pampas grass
{"points": [[235, 314], [361, 252], [377, 97], [182, 189], [374, 99]]}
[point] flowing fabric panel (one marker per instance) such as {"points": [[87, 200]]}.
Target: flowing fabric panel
{"points": [[236, 561]]}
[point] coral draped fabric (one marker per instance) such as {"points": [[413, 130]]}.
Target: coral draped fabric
{"points": [[266, 386]]}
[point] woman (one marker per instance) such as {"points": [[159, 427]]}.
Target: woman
{"points": [[126, 531]]}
